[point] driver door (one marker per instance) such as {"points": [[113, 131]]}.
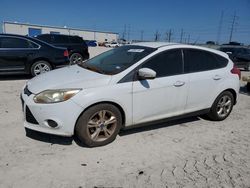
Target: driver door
{"points": [[164, 96]]}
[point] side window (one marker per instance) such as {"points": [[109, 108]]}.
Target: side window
{"points": [[75, 40], [45, 38], [166, 63], [59, 39], [8, 42], [198, 60]]}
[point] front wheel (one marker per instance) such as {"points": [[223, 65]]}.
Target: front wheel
{"points": [[99, 125], [222, 106], [40, 67]]}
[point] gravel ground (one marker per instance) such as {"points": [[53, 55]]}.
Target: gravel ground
{"points": [[191, 152]]}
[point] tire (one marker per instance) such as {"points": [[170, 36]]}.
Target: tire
{"points": [[75, 58], [40, 67], [222, 106], [247, 68], [99, 125], [248, 86]]}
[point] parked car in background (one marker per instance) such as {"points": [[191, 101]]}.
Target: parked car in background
{"points": [[26, 55], [240, 55], [113, 44], [91, 43], [131, 85], [77, 47]]}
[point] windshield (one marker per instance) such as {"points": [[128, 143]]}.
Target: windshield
{"points": [[116, 60]]}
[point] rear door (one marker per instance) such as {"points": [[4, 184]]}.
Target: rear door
{"points": [[15, 52], [165, 95], [205, 72]]}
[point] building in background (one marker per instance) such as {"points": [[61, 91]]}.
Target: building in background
{"points": [[33, 29]]}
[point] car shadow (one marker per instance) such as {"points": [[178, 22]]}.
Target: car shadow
{"points": [[154, 126], [14, 77], [48, 138], [243, 90], [60, 140]]}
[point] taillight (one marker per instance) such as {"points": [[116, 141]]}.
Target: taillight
{"points": [[235, 70], [66, 53]]}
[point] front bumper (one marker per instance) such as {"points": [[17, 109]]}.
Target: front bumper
{"points": [[36, 116]]}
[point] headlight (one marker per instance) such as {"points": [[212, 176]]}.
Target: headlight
{"points": [[54, 96]]}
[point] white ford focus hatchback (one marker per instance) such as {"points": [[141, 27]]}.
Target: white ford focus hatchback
{"points": [[130, 85]]}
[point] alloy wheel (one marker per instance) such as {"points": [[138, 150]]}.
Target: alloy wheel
{"points": [[41, 68], [224, 106], [101, 125]]}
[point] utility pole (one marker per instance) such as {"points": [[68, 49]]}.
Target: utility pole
{"points": [[157, 35], [219, 28], [129, 27], [182, 33], [188, 38], [170, 35], [124, 32], [142, 32], [232, 27]]}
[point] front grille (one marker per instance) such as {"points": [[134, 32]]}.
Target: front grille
{"points": [[29, 116], [27, 91]]}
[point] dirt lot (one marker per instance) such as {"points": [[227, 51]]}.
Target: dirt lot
{"points": [[190, 152]]}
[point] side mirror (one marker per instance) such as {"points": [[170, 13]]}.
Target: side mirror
{"points": [[146, 73]]}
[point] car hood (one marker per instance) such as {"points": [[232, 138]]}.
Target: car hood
{"points": [[67, 77]]}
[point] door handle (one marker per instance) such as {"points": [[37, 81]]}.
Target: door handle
{"points": [[179, 84], [217, 77]]}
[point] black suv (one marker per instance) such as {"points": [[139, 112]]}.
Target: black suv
{"points": [[26, 55], [240, 55], [78, 49]]}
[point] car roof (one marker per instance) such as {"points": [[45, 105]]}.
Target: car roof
{"points": [[58, 35], [154, 44], [13, 35], [178, 45]]}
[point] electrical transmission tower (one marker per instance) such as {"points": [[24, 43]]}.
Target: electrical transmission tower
{"points": [[233, 26], [220, 27]]}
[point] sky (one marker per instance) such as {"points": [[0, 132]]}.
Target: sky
{"points": [[135, 19]]}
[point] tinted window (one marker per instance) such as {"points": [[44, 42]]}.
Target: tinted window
{"points": [[199, 60], [166, 64], [8, 42], [45, 38], [75, 40], [59, 39]]}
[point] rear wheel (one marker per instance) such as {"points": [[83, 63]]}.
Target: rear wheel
{"points": [[75, 58], [222, 106], [99, 125], [40, 67]]}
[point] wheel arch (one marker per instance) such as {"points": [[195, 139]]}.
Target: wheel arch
{"points": [[106, 102], [41, 59], [233, 92]]}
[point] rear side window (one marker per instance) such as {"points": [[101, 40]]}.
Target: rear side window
{"points": [[200, 60], [45, 38], [59, 39], [166, 63], [76, 40], [8, 42]]}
